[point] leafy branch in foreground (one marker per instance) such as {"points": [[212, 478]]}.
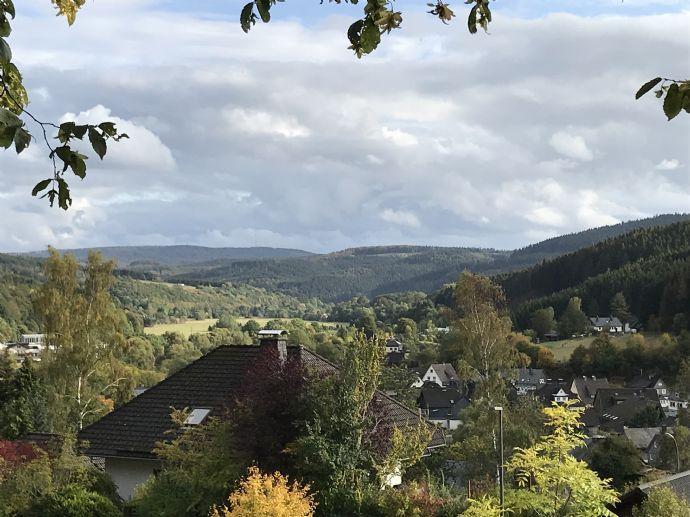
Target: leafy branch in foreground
{"points": [[14, 132], [677, 94]]}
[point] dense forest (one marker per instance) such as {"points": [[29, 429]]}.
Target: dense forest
{"points": [[651, 267]]}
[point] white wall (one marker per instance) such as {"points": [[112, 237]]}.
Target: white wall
{"points": [[129, 473]]}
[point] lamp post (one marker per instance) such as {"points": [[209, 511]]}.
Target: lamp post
{"points": [[500, 468], [677, 451]]}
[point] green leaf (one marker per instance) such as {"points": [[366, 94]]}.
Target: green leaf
{"points": [[8, 7], [673, 102], [9, 119], [353, 33], [22, 139], [65, 131], [80, 131], [108, 128], [7, 136], [371, 37], [647, 86], [472, 20], [264, 8], [40, 186], [5, 52], [247, 17], [97, 142], [686, 102], [64, 199], [64, 153], [5, 27]]}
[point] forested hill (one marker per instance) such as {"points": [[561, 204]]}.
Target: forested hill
{"points": [[651, 266], [359, 271], [177, 255], [574, 241]]}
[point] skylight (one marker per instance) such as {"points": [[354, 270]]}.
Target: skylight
{"points": [[196, 416]]}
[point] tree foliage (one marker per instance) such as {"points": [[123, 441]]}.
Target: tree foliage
{"points": [[267, 495]]}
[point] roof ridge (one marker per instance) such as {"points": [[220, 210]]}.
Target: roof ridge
{"points": [[666, 479]]}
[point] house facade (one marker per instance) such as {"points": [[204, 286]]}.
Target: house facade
{"points": [[125, 439], [609, 324], [442, 374]]}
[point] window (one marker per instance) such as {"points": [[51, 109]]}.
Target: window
{"points": [[196, 416]]}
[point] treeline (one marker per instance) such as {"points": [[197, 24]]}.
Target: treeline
{"points": [[149, 303], [650, 267]]}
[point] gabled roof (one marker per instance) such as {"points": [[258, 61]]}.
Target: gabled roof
{"points": [[609, 321], [211, 382], [679, 483], [442, 403], [641, 437], [586, 387], [530, 376], [446, 373], [615, 408], [643, 381]]}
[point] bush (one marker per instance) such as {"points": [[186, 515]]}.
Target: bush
{"points": [[73, 501]]}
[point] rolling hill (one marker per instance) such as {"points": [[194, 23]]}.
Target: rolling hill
{"points": [[143, 256], [650, 266]]}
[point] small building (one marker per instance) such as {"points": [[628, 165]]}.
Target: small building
{"points": [[34, 340], [585, 388], [442, 405], [614, 409], [647, 440], [554, 391], [609, 324], [393, 345], [670, 401], [442, 374], [125, 439], [527, 380]]}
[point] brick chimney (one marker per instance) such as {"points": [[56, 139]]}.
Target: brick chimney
{"points": [[275, 338]]}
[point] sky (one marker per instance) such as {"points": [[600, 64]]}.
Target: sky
{"points": [[282, 138]]}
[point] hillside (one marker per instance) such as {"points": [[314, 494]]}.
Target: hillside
{"points": [[574, 241], [354, 272], [651, 266], [143, 256]]}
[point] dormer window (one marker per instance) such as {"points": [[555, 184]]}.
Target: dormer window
{"points": [[196, 416]]}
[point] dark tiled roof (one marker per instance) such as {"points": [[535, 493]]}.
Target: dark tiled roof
{"points": [[210, 382], [679, 483], [442, 403], [446, 373], [615, 408], [587, 387], [611, 321], [643, 381]]}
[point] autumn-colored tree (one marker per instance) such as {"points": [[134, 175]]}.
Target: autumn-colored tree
{"points": [[267, 495], [662, 502], [83, 333]]}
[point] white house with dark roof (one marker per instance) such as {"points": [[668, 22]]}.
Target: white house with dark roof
{"points": [[609, 324], [125, 439], [442, 374]]}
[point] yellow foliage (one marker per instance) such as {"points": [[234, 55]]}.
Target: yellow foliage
{"points": [[267, 495], [68, 8]]}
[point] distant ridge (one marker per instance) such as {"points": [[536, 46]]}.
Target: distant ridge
{"points": [[574, 241], [179, 254]]}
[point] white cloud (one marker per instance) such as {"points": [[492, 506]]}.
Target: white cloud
{"points": [[399, 137], [401, 217], [143, 148], [263, 123], [572, 146], [668, 165]]}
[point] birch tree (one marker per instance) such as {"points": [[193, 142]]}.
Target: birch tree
{"points": [[83, 331]]}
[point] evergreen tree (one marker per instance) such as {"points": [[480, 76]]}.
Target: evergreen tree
{"points": [[23, 406], [543, 321], [573, 321], [619, 307]]}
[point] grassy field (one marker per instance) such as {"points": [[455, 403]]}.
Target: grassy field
{"points": [[563, 349], [190, 327], [186, 329]]}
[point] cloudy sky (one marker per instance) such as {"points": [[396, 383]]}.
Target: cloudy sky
{"points": [[282, 138]]}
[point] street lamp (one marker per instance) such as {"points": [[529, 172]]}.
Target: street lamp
{"points": [[677, 451], [500, 468]]}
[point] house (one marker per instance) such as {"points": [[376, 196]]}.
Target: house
{"points": [[613, 409], [527, 380], [34, 340], [124, 440], [585, 388], [679, 483], [647, 440], [24, 351], [442, 405], [554, 391], [393, 345], [609, 324], [670, 401], [442, 374]]}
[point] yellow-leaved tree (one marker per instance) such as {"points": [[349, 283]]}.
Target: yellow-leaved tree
{"points": [[550, 481], [267, 495]]}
